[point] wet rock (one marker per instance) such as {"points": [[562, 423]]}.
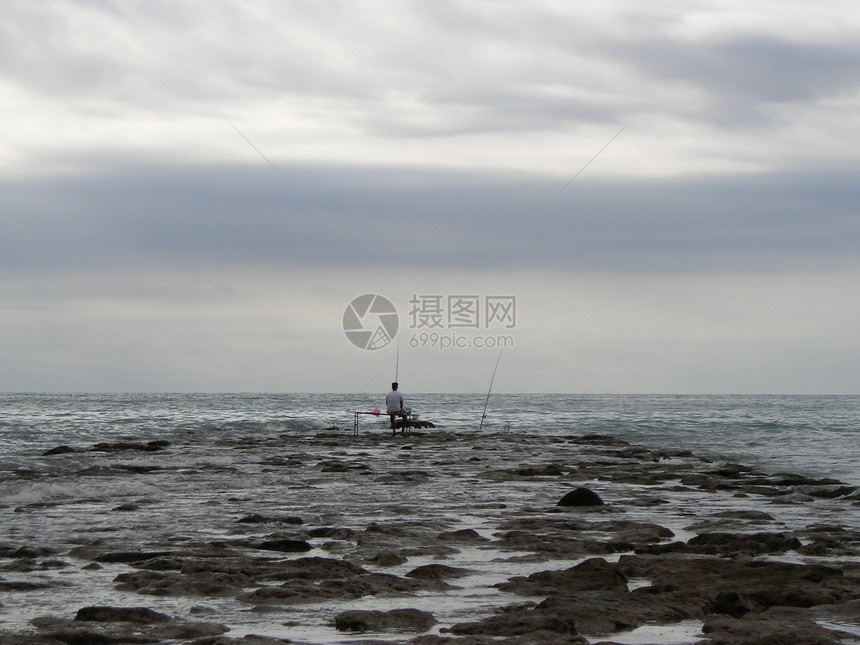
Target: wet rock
{"points": [[127, 557], [437, 572], [256, 518], [26, 565], [122, 632], [154, 583], [729, 603], [462, 535], [375, 621], [738, 543], [581, 497], [59, 450], [599, 440], [121, 615], [746, 515], [250, 639], [119, 446], [519, 620], [779, 626], [9, 551], [331, 533], [285, 545], [388, 559], [698, 582], [595, 574], [301, 591], [548, 470]]}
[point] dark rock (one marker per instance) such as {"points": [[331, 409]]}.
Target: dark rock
{"points": [[331, 533], [729, 603], [59, 450], [126, 557], [388, 559], [581, 497], [250, 639], [599, 440], [121, 614], [519, 620], [437, 572], [23, 552], [374, 621], [549, 470], [256, 518], [285, 545], [735, 543], [119, 446], [155, 583], [595, 574], [462, 535], [122, 632]]}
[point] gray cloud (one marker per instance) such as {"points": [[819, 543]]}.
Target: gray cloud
{"points": [[246, 215], [420, 70]]}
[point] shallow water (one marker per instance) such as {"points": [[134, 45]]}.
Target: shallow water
{"points": [[232, 456]]}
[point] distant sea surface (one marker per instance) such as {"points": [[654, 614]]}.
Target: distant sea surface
{"points": [[812, 435]]}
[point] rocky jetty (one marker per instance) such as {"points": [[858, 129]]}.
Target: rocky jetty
{"points": [[610, 537]]}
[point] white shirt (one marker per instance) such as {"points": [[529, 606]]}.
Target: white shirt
{"points": [[394, 401]]}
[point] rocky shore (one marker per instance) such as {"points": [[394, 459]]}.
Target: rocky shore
{"points": [[616, 537]]}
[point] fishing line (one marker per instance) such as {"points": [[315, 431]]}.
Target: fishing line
{"points": [[307, 199], [545, 206]]}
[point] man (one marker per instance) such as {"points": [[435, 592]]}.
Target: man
{"points": [[394, 405]]}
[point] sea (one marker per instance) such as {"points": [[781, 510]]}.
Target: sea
{"points": [[812, 435], [220, 444]]}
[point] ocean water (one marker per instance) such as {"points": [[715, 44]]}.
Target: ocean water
{"points": [[237, 454], [814, 435]]}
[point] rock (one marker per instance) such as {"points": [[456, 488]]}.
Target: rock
{"points": [[519, 620], [118, 446], [250, 639], [285, 545], [155, 583], [462, 535], [388, 559], [256, 518], [122, 632], [59, 450], [121, 614], [127, 557], [331, 533], [23, 551], [595, 574], [437, 572], [581, 497], [375, 621], [729, 603], [735, 543]]}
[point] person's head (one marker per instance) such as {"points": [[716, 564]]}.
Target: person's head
{"points": [[394, 386]]}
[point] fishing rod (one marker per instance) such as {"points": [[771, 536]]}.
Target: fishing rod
{"points": [[397, 362], [487, 401]]}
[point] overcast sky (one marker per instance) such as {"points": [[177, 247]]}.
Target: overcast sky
{"points": [[193, 193]]}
